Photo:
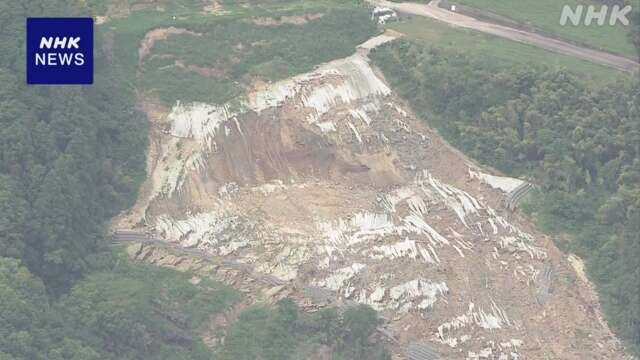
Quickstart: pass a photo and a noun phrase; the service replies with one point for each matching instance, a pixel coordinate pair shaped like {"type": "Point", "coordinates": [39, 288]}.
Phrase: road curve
{"type": "Point", "coordinates": [433, 10]}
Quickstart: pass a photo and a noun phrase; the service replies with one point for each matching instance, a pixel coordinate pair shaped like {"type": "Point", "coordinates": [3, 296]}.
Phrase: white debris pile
{"type": "Point", "coordinates": [505, 184]}
{"type": "Point", "coordinates": [520, 244]}
{"type": "Point", "coordinates": [402, 231]}
{"type": "Point", "coordinates": [341, 279]}
{"type": "Point", "coordinates": [341, 235]}
{"type": "Point", "coordinates": [457, 200]}
{"type": "Point", "coordinates": [199, 121]}
{"type": "Point", "coordinates": [361, 114]}
{"type": "Point", "coordinates": [271, 187]}
{"type": "Point", "coordinates": [213, 231]}
{"type": "Point", "coordinates": [503, 351]}
{"type": "Point", "coordinates": [453, 332]}
{"type": "Point", "coordinates": [337, 83]}
{"type": "Point", "coordinates": [356, 81]}
{"type": "Point", "coordinates": [464, 206]}
{"type": "Point", "coordinates": [416, 294]}
{"type": "Point", "coordinates": [406, 248]}
{"type": "Point", "coordinates": [390, 200]}
{"type": "Point", "coordinates": [383, 14]}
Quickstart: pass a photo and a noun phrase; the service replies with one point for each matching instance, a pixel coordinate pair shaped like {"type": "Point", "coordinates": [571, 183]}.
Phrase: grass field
{"type": "Point", "coordinates": [496, 51]}
{"type": "Point", "coordinates": [544, 15]}
{"type": "Point", "coordinates": [229, 43]}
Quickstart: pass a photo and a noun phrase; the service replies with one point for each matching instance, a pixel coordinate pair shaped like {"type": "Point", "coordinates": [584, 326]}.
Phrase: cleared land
{"type": "Point", "coordinates": [544, 15]}
{"type": "Point", "coordinates": [497, 51]}
{"type": "Point", "coordinates": [432, 10]}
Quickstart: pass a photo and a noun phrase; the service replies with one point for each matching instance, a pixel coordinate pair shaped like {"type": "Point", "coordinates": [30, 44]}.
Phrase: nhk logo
{"type": "Point", "coordinates": [60, 50]}
{"type": "Point", "coordinates": [616, 15]}
{"type": "Point", "coordinates": [57, 58]}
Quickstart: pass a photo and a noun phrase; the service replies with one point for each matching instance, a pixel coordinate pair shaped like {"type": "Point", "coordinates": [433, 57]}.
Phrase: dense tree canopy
{"type": "Point", "coordinates": [282, 332]}
{"type": "Point", "coordinates": [69, 157]}
{"type": "Point", "coordinates": [132, 312]}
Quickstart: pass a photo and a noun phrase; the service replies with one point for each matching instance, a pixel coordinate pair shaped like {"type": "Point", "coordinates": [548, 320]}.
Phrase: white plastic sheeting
{"type": "Point", "coordinates": [506, 184]}
{"type": "Point", "coordinates": [341, 277]}
{"type": "Point", "coordinates": [339, 82]}
{"type": "Point", "coordinates": [490, 319]}
{"type": "Point", "coordinates": [415, 294]}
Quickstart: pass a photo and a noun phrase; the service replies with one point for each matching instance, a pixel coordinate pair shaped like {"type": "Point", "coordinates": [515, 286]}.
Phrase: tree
{"type": "Point", "coordinates": [24, 311]}
{"type": "Point", "coordinates": [359, 323]}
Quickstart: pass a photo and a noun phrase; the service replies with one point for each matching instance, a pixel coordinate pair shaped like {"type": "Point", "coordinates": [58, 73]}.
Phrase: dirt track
{"type": "Point", "coordinates": [432, 10]}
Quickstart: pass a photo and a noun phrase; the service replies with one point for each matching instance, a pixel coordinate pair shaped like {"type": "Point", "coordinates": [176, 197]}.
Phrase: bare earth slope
{"type": "Point", "coordinates": [432, 10]}
{"type": "Point", "coordinates": [327, 188]}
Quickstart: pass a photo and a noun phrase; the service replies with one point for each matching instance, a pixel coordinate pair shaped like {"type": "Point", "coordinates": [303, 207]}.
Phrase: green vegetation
{"type": "Point", "coordinates": [137, 311]}
{"type": "Point", "coordinates": [232, 50]}
{"type": "Point", "coordinates": [635, 30]}
{"type": "Point", "coordinates": [282, 332]}
{"type": "Point", "coordinates": [496, 52]}
{"type": "Point", "coordinates": [128, 312]}
{"type": "Point", "coordinates": [72, 157]}
{"type": "Point", "coordinates": [544, 15]}
{"type": "Point", "coordinates": [235, 52]}
{"type": "Point", "coordinates": [579, 142]}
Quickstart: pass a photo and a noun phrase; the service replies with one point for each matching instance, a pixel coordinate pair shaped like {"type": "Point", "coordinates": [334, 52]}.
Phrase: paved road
{"type": "Point", "coordinates": [432, 10]}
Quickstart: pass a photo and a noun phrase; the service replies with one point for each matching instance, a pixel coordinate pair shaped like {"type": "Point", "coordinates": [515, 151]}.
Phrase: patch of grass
{"type": "Point", "coordinates": [544, 15]}
{"type": "Point", "coordinates": [238, 50]}
{"type": "Point", "coordinates": [496, 52]}
{"type": "Point", "coordinates": [172, 84]}
{"type": "Point", "coordinates": [232, 46]}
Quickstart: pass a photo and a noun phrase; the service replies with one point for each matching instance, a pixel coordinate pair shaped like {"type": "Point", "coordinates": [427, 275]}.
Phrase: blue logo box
{"type": "Point", "coordinates": [60, 51]}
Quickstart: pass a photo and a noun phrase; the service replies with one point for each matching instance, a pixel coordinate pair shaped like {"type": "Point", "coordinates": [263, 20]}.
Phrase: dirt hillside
{"type": "Point", "coordinates": [326, 187]}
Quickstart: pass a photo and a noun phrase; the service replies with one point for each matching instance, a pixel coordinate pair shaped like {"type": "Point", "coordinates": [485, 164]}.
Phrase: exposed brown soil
{"type": "Point", "coordinates": [293, 20]}
{"type": "Point", "coordinates": [266, 201]}
{"type": "Point", "coordinates": [156, 35]}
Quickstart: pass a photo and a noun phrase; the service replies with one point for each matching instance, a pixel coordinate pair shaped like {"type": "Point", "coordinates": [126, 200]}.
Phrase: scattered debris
{"type": "Point", "coordinates": [326, 188]}
{"type": "Point", "coordinates": [383, 14]}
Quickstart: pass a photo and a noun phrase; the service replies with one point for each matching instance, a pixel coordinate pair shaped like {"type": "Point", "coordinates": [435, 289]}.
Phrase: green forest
{"type": "Point", "coordinates": [71, 158]}
{"type": "Point", "coordinates": [283, 331]}
{"type": "Point", "coordinates": [579, 142]}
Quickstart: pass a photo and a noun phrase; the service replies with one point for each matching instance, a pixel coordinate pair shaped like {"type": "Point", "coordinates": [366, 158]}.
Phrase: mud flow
{"type": "Point", "coordinates": [325, 187]}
